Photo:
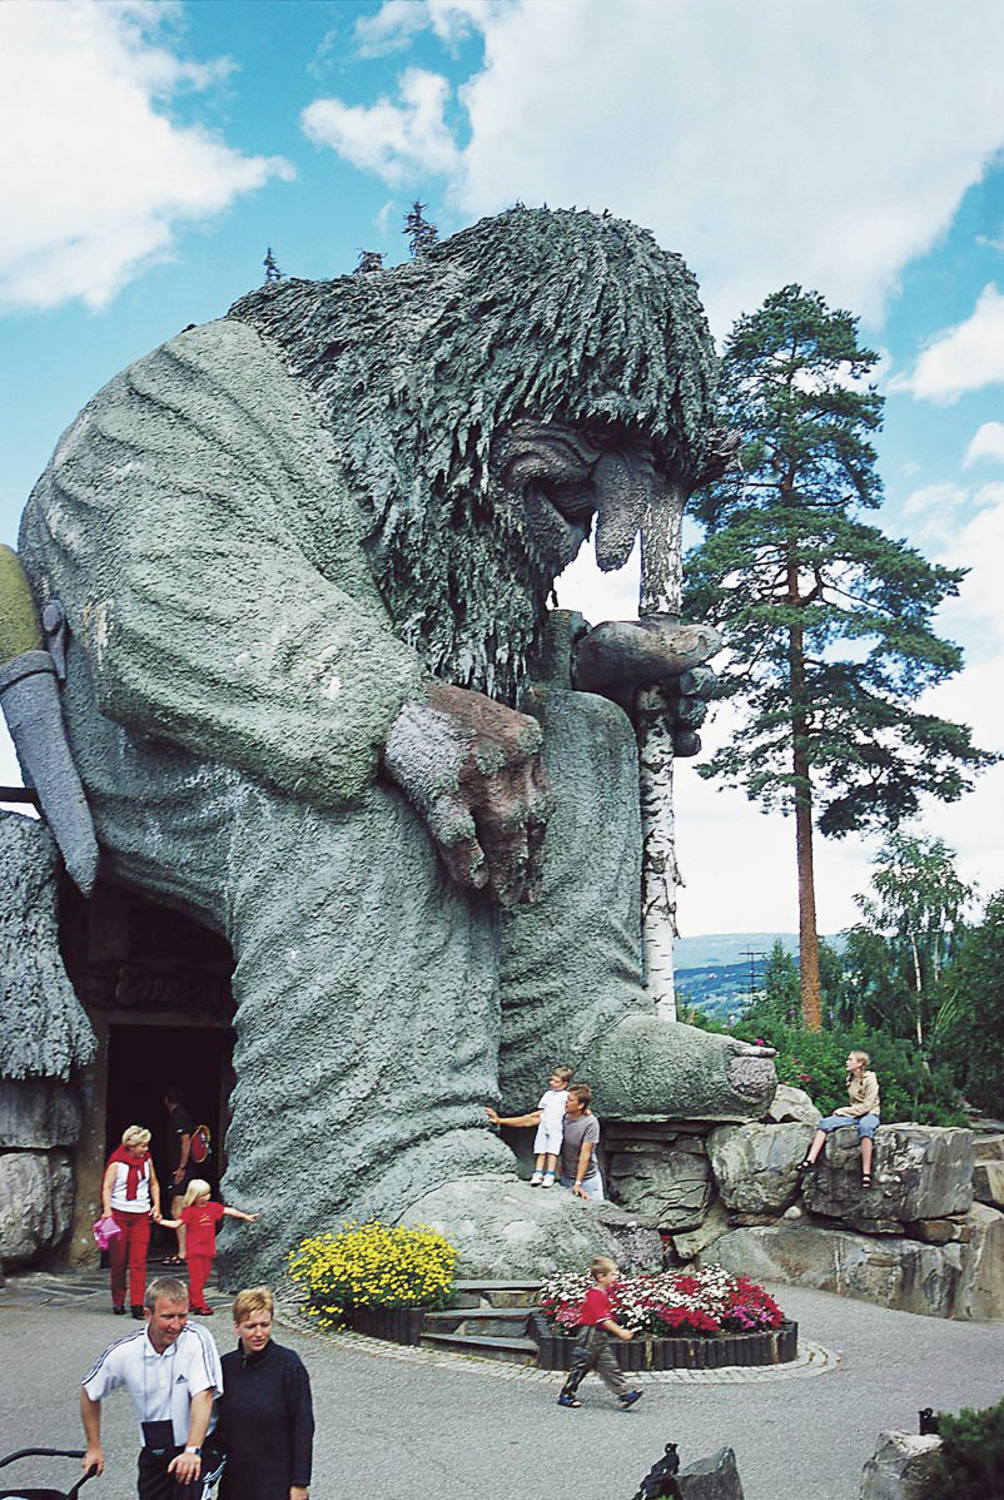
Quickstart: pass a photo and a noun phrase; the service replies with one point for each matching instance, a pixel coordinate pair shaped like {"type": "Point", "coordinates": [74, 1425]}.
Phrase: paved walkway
{"type": "Point", "coordinates": [411, 1424]}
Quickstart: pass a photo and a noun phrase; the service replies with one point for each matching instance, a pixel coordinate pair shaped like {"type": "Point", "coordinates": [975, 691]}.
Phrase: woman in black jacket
{"type": "Point", "coordinates": [265, 1414]}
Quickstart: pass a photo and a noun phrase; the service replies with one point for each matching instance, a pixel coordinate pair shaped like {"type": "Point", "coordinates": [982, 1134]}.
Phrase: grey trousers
{"type": "Point", "coordinates": [594, 1350]}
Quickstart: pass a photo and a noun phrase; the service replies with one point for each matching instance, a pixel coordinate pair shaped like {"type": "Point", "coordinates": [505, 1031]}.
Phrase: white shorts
{"type": "Point", "coordinates": [548, 1138]}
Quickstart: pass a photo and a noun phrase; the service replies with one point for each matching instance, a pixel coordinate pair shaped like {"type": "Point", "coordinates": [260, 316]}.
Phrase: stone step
{"type": "Point", "coordinates": [479, 1344]}
{"type": "Point", "coordinates": [496, 1286]}
{"type": "Point", "coordinates": [467, 1314]}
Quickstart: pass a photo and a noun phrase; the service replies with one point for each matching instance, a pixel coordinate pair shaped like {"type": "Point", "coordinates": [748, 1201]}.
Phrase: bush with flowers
{"type": "Point", "coordinates": [669, 1304]}
{"type": "Point", "coordinates": [372, 1265]}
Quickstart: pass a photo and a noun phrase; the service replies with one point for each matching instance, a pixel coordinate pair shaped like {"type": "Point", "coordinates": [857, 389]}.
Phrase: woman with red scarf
{"type": "Point", "coordinates": [130, 1194]}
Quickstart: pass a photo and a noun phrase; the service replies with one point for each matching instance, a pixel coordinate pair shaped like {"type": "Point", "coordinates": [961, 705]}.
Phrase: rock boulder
{"type": "Point", "coordinates": [714, 1478]}
{"type": "Point", "coordinates": [36, 1204]}
{"type": "Point", "coordinates": [919, 1172]}
{"type": "Point", "coordinates": [755, 1166]}
{"type": "Point", "coordinates": [37, 1113]}
{"type": "Point", "coordinates": [897, 1273]}
{"type": "Point", "coordinates": [791, 1105]}
{"type": "Point", "coordinates": [901, 1468]}
{"type": "Point", "coordinates": [981, 1289]}
{"type": "Point", "coordinates": [669, 1181]}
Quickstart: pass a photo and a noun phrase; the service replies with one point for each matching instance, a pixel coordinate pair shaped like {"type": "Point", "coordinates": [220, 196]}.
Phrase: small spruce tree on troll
{"type": "Point", "coordinates": [422, 234]}
{"type": "Point", "coordinates": [369, 261]}
{"type": "Point", "coordinates": [826, 619]}
{"type": "Point", "coordinates": [272, 272]}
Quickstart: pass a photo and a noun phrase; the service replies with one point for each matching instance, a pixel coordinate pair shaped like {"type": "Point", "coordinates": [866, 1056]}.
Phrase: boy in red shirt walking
{"type": "Point", "coordinates": [593, 1350]}
{"type": "Point", "coordinates": [200, 1218]}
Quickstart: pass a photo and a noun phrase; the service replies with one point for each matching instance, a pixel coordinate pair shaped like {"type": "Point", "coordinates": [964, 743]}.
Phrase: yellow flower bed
{"type": "Point", "coordinates": [372, 1265]}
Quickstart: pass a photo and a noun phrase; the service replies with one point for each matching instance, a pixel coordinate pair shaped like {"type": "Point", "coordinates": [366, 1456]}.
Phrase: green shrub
{"type": "Point", "coordinates": [814, 1061]}
{"type": "Point", "coordinates": [970, 1465]}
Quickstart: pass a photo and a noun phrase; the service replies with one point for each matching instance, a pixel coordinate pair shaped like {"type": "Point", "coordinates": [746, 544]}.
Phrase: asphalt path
{"type": "Point", "coordinates": [399, 1429]}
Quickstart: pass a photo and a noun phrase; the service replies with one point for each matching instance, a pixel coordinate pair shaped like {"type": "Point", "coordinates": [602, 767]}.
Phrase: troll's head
{"type": "Point", "coordinates": [491, 398]}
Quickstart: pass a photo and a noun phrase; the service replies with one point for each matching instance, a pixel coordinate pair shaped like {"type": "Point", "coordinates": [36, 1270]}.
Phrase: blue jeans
{"type": "Point", "coordinates": [867, 1124]}
{"type": "Point", "coordinates": [592, 1185]}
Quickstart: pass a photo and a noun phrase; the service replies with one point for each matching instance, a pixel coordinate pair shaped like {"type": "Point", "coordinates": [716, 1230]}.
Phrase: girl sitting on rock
{"type": "Point", "coordinates": [863, 1109]}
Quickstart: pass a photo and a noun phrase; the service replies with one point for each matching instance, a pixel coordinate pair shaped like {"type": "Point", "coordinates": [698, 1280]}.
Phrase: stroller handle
{"type": "Point", "coordinates": [41, 1453]}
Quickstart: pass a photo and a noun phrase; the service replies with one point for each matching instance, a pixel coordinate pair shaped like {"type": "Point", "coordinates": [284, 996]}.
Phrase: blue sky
{"type": "Point", "coordinates": [152, 151]}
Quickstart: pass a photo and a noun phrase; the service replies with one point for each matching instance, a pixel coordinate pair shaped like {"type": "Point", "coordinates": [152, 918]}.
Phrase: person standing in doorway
{"type": "Point", "coordinates": [179, 1163]}
{"type": "Point", "coordinates": [130, 1194]}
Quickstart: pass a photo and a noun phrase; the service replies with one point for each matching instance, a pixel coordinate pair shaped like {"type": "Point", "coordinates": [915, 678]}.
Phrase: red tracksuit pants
{"type": "Point", "coordinates": [129, 1247]}
{"type": "Point", "coordinates": [199, 1267]}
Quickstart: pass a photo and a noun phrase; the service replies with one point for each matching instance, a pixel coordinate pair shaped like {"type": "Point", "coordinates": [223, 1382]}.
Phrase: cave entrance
{"type": "Point", "coordinates": [144, 1061]}
{"type": "Point", "coordinates": [156, 987]}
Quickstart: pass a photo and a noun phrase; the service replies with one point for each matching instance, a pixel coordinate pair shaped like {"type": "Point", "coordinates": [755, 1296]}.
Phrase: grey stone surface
{"type": "Point", "coordinates": [791, 1104]}
{"type": "Point", "coordinates": [44, 1032]}
{"type": "Point", "coordinates": [713, 1478]}
{"type": "Point", "coordinates": [671, 1182]}
{"type": "Point", "coordinates": [981, 1289]}
{"type": "Point", "coordinates": [755, 1166]}
{"type": "Point", "coordinates": [901, 1468]}
{"type": "Point", "coordinates": [38, 1113]}
{"type": "Point", "coordinates": [267, 534]}
{"type": "Point", "coordinates": [919, 1172]}
{"type": "Point", "coordinates": [714, 1224]}
{"type": "Point", "coordinates": [896, 1273]}
{"type": "Point", "coordinates": [988, 1183]}
{"type": "Point", "coordinates": [501, 1226]}
{"type": "Point", "coordinates": [988, 1148]}
{"type": "Point", "coordinates": [36, 1203]}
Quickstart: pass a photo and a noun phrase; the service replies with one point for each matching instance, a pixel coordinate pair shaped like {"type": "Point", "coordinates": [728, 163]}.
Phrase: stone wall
{"type": "Point", "coordinates": [39, 1122]}
{"type": "Point", "coordinates": [926, 1237]}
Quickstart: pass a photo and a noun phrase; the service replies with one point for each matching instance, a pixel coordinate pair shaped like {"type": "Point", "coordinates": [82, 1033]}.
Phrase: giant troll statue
{"type": "Point", "coordinates": [305, 554]}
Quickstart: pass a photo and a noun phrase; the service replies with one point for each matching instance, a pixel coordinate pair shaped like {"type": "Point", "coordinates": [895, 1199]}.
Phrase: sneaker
{"type": "Point", "coordinates": [567, 1399]}
{"type": "Point", "coordinates": [547, 1180]}
{"type": "Point", "coordinates": [536, 1179]}
{"type": "Point", "coordinates": [629, 1398]}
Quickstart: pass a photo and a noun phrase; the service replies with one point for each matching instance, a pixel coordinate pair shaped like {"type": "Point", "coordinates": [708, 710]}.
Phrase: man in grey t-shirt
{"type": "Point", "coordinates": [578, 1145]}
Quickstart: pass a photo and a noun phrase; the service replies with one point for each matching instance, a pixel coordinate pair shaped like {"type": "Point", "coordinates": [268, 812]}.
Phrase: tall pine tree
{"type": "Point", "coordinates": [827, 620]}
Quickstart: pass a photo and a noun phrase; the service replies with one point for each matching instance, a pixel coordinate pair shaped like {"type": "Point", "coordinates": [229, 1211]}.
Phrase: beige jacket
{"type": "Point", "coordinates": [863, 1093]}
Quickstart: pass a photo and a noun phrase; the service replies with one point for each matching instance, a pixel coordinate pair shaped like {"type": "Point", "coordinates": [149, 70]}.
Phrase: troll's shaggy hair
{"type": "Point", "coordinates": [548, 314]}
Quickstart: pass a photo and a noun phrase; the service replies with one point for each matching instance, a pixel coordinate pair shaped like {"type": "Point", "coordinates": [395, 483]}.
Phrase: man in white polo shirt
{"type": "Point", "coordinates": [171, 1369]}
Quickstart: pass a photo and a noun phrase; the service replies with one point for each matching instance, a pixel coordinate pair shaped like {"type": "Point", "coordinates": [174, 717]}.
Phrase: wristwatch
{"type": "Point", "coordinates": [196, 1451]}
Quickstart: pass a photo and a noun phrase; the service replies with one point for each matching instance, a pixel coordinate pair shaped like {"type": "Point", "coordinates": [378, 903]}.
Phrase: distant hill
{"type": "Point", "coordinates": [718, 972]}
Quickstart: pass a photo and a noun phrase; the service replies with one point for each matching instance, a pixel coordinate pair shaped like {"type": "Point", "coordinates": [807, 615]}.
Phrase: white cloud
{"type": "Point", "coordinates": [398, 22]}
{"type": "Point", "coordinates": [936, 498]}
{"type": "Point", "coordinates": [988, 442]}
{"type": "Point", "coordinates": [95, 178]}
{"type": "Point", "coordinates": [769, 143]}
{"type": "Point", "coordinates": [395, 141]}
{"type": "Point", "coordinates": [964, 358]}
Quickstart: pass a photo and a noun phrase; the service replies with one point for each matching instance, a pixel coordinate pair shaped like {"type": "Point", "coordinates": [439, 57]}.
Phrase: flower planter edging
{"type": "Point", "coordinates": [775, 1347]}
{"type": "Point", "coordinates": [398, 1325]}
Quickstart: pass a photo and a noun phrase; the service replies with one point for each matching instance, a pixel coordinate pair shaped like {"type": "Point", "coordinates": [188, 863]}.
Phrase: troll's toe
{"type": "Point", "coordinates": [647, 1068]}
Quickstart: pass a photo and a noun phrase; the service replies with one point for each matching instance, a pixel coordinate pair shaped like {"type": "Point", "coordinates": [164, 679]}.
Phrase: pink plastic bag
{"type": "Point", "coordinates": [105, 1230]}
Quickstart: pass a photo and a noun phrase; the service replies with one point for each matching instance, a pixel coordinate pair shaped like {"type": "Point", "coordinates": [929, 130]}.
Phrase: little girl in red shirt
{"type": "Point", "coordinates": [200, 1217]}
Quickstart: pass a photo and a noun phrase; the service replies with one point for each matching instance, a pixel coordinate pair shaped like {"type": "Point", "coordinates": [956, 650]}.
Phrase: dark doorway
{"type": "Point", "coordinates": [143, 1063]}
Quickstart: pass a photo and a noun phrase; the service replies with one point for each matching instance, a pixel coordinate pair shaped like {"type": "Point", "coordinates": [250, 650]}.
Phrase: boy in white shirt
{"type": "Point", "coordinates": [549, 1118]}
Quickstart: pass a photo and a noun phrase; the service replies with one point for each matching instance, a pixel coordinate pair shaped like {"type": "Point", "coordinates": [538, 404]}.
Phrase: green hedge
{"type": "Point", "coordinates": [970, 1465]}
{"type": "Point", "coordinates": [814, 1061]}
